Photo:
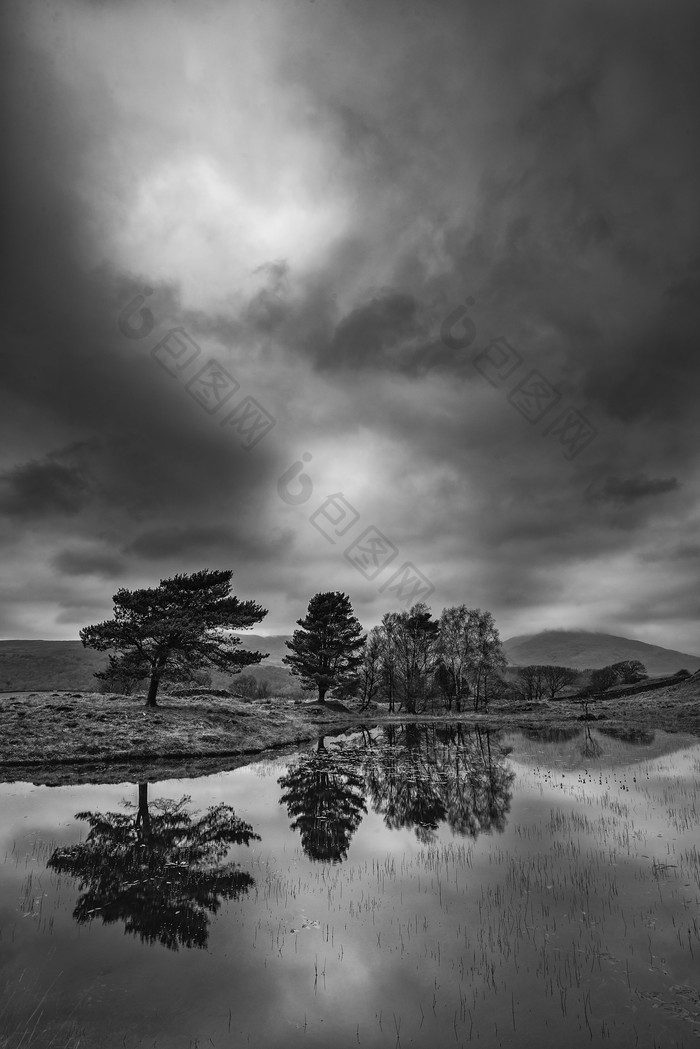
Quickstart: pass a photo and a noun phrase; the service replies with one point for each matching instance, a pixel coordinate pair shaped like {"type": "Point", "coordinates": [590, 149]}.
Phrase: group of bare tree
{"type": "Point", "coordinates": [537, 681]}
{"type": "Point", "coordinates": [543, 681]}
{"type": "Point", "coordinates": [414, 662]}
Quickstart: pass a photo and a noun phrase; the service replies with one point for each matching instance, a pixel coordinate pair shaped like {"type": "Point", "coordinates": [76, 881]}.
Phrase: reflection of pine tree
{"type": "Point", "coordinates": [324, 793]}
{"type": "Point", "coordinates": [160, 872]}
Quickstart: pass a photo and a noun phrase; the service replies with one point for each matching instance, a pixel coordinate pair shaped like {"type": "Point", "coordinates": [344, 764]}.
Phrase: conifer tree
{"type": "Point", "coordinates": [326, 651]}
{"type": "Point", "coordinates": [184, 624]}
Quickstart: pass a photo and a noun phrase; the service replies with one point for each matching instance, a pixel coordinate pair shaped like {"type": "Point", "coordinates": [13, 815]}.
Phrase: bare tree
{"type": "Point", "coordinates": [414, 634]}
{"type": "Point", "coordinates": [388, 672]}
{"type": "Point", "coordinates": [454, 655]}
{"type": "Point", "coordinates": [558, 678]}
{"type": "Point", "coordinates": [531, 682]}
{"type": "Point", "coordinates": [370, 672]}
{"type": "Point", "coordinates": [487, 660]}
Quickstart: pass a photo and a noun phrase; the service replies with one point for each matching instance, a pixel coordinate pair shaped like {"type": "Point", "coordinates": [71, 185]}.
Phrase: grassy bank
{"type": "Point", "coordinates": [43, 729]}
{"type": "Point", "coordinates": [56, 737]}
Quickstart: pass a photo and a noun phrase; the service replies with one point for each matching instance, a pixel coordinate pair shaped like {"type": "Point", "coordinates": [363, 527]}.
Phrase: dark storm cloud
{"type": "Point", "coordinates": [164, 543]}
{"type": "Point", "coordinates": [394, 332]}
{"type": "Point", "coordinates": [574, 234]}
{"type": "Point", "coordinates": [173, 470]}
{"type": "Point", "coordinates": [687, 287]}
{"type": "Point", "coordinates": [370, 332]}
{"type": "Point", "coordinates": [66, 361]}
{"type": "Point", "coordinates": [627, 490]}
{"type": "Point", "coordinates": [89, 562]}
{"type": "Point", "coordinates": [168, 542]}
{"type": "Point", "coordinates": [687, 553]}
{"type": "Point", "coordinates": [64, 353]}
{"type": "Point", "coordinates": [42, 489]}
{"type": "Point", "coordinates": [676, 602]}
{"type": "Point", "coordinates": [539, 158]}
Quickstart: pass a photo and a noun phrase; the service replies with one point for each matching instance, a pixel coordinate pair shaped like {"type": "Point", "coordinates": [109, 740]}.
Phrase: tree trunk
{"type": "Point", "coordinates": [143, 817]}
{"type": "Point", "coordinates": [153, 689]}
{"type": "Point", "coordinates": [322, 689]}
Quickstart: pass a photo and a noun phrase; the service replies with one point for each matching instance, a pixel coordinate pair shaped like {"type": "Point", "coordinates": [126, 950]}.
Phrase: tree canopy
{"type": "Point", "coordinates": [182, 625]}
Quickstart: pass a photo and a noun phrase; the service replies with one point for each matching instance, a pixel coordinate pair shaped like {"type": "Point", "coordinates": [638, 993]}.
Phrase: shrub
{"type": "Point", "coordinates": [247, 686]}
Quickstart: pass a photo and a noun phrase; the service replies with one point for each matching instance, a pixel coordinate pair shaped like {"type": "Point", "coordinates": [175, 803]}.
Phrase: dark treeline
{"type": "Point", "coordinates": [181, 630]}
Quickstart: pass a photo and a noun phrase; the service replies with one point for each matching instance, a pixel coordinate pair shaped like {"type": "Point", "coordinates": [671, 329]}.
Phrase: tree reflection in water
{"type": "Point", "coordinates": [159, 872]}
{"type": "Point", "coordinates": [590, 747]}
{"type": "Point", "coordinates": [324, 793]}
{"type": "Point", "coordinates": [403, 781]}
{"type": "Point", "coordinates": [420, 777]}
{"type": "Point", "coordinates": [552, 733]}
{"type": "Point", "coordinates": [414, 776]}
{"type": "Point", "coordinates": [639, 737]}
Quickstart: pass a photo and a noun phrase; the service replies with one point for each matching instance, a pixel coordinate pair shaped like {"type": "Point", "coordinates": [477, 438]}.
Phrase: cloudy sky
{"type": "Point", "coordinates": [397, 298]}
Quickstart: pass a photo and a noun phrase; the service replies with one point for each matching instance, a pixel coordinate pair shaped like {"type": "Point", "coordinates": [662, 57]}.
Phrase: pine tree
{"type": "Point", "coordinates": [326, 651]}
{"type": "Point", "coordinates": [181, 625]}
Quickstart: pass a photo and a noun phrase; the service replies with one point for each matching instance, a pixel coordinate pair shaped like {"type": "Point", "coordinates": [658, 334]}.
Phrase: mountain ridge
{"type": "Point", "coordinates": [590, 649]}
{"type": "Point", "coordinates": [27, 666]}
{"type": "Point", "coordinates": [44, 665]}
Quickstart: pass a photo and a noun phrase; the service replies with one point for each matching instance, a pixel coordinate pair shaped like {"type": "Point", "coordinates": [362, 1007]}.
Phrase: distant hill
{"type": "Point", "coordinates": [27, 666]}
{"type": "Point", "coordinates": [584, 650]}
{"type": "Point", "coordinates": [274, 644]}
{"type": "Point", "coordinates": [37, 665]}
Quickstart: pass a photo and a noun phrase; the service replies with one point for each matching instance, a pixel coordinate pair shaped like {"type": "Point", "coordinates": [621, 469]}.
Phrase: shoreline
{"type": "Point", "coordinates": [51, 737]}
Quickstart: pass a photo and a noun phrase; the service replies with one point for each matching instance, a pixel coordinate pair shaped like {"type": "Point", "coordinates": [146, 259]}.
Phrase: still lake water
{"type": "Point", "coordinates": [392, 887]}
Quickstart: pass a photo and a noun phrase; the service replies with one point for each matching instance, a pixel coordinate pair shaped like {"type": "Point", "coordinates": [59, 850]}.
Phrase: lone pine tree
{"type": "Point", "coordinates": [182, 625]}
{"type": "Point", "coordinates": [326, 651]}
